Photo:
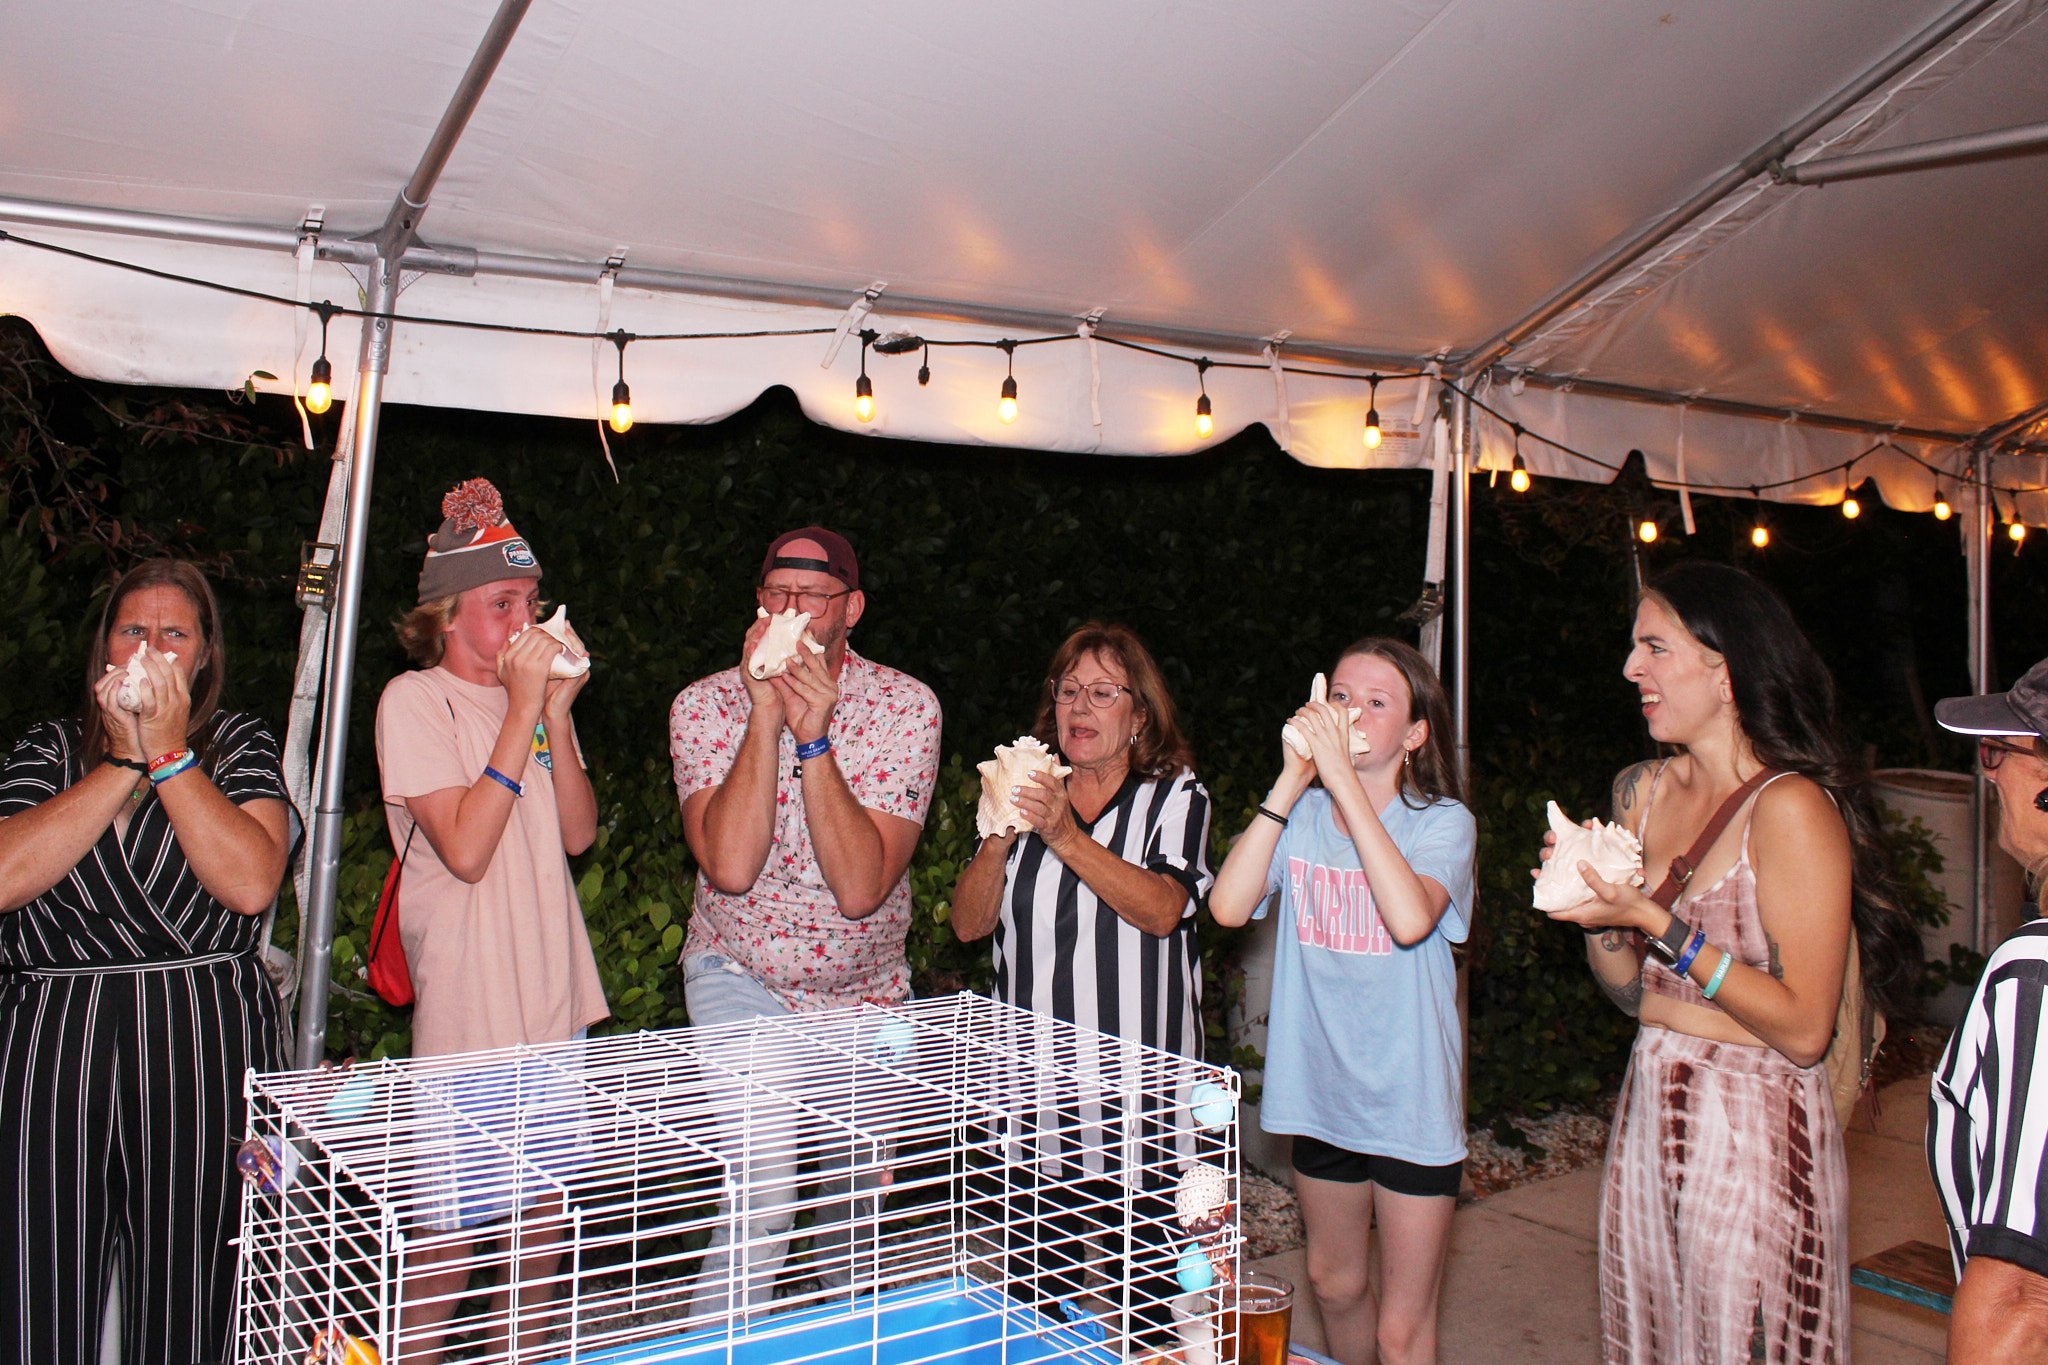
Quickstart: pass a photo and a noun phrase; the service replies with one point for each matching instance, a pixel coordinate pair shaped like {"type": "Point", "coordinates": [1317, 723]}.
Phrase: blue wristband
{"type": "Point", "coordinates": [817, 748]}
{"type": "Point", "coordinates": [1720, 974]}
{"type": "Point", "coordinates": [159, 776]}
{"type": "Point", "coordinates": [507, 783]}
{"type": "Point", "coordinates": [1692, 950]}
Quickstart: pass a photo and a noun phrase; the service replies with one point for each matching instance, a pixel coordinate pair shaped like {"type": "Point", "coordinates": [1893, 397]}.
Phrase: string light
{"type": "Point", "coordinates": [320, 387]}
{"type": "Point", "coordinates": [2016, 531]}
{"type": "Point", "coordinates": [924, 366]}
{"type": "Point", "coordinates": [1372, 416]}
{"type": "Point", "coordinates": [1006, 406]}
{"type": "Point", "coordinates": [864, 387]}
{"type": "Point", "coordinates": [1646, 531]}
{"type": "Point", "coordinates": [1205, 423]}
{"type": "Point", "coordinates": [1518, 474]}
{"type": "Point", "coordinates": [1942, 510]}
{"type": "Point", "coordinates": [622, 397]}
{"type": "Point", "coordinates": [1851, 508]}
{"type": "Point", "coordinates": [1759, 534]}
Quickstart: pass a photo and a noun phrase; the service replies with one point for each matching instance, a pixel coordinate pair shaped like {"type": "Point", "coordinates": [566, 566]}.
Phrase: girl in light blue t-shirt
{"type": "Point", "coordinates": [1365, 1060]}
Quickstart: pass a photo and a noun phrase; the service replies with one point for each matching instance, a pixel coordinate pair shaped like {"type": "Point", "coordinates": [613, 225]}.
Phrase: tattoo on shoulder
{"type": "Point", "coordinates": [1625, 786]}
{"type": "Point", "coordinates": [1777, 967]}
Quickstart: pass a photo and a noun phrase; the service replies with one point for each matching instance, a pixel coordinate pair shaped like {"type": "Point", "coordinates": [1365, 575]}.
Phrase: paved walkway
{"type": "Point", "coordinates": [1523, 1281]}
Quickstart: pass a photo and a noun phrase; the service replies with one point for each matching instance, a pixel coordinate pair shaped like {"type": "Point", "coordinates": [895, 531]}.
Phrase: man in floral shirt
{"type": "Point", "coordinates": [803, 796]}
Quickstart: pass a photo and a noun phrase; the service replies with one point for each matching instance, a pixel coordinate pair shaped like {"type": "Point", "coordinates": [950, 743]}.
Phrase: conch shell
{"type": "Point", "coordinates": [778, 642]}
{"type": "Point", "coordinates": [1614, 854]}
{"type": "Point", "coordinates": [1012, 767]}
{"type": "Point", "coordinates": [129, 695]}
{"type": "Point", "coordinates": [574, 660]}
{"type": "Point", "coordinates": [1319, 690]}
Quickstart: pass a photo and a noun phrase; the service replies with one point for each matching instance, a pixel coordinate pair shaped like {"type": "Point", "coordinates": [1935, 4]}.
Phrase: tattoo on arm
{"type": "Point", "coordinates": [1777, 967]}
{"type": "Point", "coordinates": [1613, 940]}
{"type": "Point", "coordinates": [1628, 999]}
{"type": "Point", "coordinates": [1625, 787]}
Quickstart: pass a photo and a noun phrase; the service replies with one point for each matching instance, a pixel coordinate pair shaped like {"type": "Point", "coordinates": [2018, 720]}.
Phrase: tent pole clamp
{"type": "Point", "coordinates": [319, 564]}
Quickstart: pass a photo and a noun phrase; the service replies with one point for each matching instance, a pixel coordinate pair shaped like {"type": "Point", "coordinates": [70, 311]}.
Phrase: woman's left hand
{"type": "Point", "coordinates": [1044, 802]}
{"type": "Point", "coordinates": [165, 715]}
{"type": "Point", "coordinates": [1327, 727]}
{"type": "Point", "coordinates": [1613, 905]}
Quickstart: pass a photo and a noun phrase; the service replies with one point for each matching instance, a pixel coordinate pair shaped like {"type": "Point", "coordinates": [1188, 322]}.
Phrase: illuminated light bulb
{"type": "Point", "coordinates": [1372, 416]}
{"type": "Point", "coordinates": [1204, 422]}
{"type": "Point", "coordinates": [1851, 508]}
{"type": "Point", "coordinates": [622, 408]}
{"type": "Point", "coordinates": [864, 399]}
{"type": "Point", "coordinates": [1006, 407]}
{"type": "Point", "coordinates": [1646, 531]}
{"type": "Point", "coordinates": [2016, 531]}
{"type": "Point", "coordinates": [1760, 535]}
{"type": "Point", "coordinates": [1518, 478]}
{"type": "Point", "coordinates": [320, 391]}
{"type": "Point", "coordinates": [1942, 511]}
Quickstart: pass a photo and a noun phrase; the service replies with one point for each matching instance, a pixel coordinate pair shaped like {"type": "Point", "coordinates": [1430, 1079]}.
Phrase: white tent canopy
{"type": "Point", "coordinates": [1588, 215]}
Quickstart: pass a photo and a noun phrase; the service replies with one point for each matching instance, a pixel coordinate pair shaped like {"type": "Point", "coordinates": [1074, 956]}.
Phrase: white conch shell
{"type": "Point", "coordinates": [574, 660]}
{"type": "Point", "coordinates": [1614, 854]}
{"type": "Point", "coordinates": [1319, 690]}
{"type": "Point", "coordinates": [1012, 767]}
{"type": "Point", "coordinates": [129, 696]}
{"type": "Point", "coordinates": [778, 642]}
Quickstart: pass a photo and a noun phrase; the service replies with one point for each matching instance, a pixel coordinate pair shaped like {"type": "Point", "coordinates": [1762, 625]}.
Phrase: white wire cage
{"type": "Point", "coordinates": [966, 1182]}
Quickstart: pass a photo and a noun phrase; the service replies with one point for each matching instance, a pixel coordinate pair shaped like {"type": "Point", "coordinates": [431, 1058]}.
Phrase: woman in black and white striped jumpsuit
{"type": "Point", "coordinates": [138, 849]}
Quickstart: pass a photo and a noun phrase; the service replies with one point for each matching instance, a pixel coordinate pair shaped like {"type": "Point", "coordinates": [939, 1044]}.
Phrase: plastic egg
{"type": "Point", "coordinates": [353, 1098]}
{"type": "Point", "coordinates": [1194, 1273]}
{"type": "Point", "coordinates": [1211, 1105]}
{"type": "Point", "coordinates": [894, 1038]}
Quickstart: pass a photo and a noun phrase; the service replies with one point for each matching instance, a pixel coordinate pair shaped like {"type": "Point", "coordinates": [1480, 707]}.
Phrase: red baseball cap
{"type": "Point", "coordinates": [816, 549]}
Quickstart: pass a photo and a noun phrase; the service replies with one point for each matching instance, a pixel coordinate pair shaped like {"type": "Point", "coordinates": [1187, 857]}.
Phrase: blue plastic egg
{"type": "Point", "coordinates": [353, 1098]}
{"type": "Point", "coordinates": [1194, 1273]}
{"type": "Point", "coordinates": [1211, 1105]}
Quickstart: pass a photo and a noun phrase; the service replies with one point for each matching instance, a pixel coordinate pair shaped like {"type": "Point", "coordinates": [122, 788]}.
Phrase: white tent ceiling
{"type": "Point", "coordinates": [1386, 182]}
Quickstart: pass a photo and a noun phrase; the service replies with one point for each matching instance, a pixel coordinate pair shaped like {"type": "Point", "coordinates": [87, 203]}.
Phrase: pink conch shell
{"type": "Point", "coordinates": [129, 696]}
{"type": "Point", "coordinates": [778, 642]}
{"type": "Point", "coordinates": [1010, 769]}
{"type": "Point", "coordinates": [574, 660]}
{"type": "Point", "coordinates": [1614, 854]}
{"type": "Point", "coordinates": [1319, 690]}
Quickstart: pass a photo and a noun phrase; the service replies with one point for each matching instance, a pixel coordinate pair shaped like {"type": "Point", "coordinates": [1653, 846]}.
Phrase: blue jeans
{"type": "Point", "coordinates": [762, 1146]}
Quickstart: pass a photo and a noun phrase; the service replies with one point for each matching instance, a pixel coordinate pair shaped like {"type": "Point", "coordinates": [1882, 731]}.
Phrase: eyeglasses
{"type": "Point", "coordinates": [1101, 696]}
{"type": "Point", "coordinates": [1992, 752]}
{"type": "Point", "coordinates": [781, 599]}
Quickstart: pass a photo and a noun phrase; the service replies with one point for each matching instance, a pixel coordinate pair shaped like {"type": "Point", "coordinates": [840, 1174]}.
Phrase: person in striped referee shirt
{"type": "Point", "coordinates": [1987, 1129]}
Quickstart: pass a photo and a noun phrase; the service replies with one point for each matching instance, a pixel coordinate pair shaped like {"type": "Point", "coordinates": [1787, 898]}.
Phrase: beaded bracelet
{"type": "Point", "coordinates": [180, 760]}
{"type": "Point", "coordinates": [1692, 950]}
{"type": "Point", "coordinates": [1720, 974]}
{"type": "Point", "coordinates": [507, 783]}
{"type": "Point", "coordinates": [817, 748]}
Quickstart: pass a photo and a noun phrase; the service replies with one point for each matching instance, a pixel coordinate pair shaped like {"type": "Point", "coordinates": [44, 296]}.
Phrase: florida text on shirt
{"type": "Point", "coordinates": [1334, 909]}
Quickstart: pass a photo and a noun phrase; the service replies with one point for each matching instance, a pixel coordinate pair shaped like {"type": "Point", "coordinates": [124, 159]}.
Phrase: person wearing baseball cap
{"type": "Point", "coordinates": [804, 773]}
{"type": "Point", "coordinates": [486, 799]}
{"type": "Point", "coordinates": [1985, 1136]}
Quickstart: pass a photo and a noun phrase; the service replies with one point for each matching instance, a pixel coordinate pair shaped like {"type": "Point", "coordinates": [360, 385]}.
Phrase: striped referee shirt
{"type": "Point", "coordinates": [1061, 951]}
{"type": "Point", "coordinates": [1985, 1136]}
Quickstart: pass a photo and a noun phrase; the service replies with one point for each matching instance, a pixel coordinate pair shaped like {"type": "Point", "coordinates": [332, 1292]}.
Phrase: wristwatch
{"type": "Point", "coordinates": [1671, 942]}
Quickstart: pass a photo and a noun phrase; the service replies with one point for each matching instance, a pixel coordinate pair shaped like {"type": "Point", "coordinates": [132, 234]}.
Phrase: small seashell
{"type": "Point", "coordinates": [336, 1347]}
{"type": "Point", "coordinates": [1615, 855]}
{"type": "Point", "coordinates": [779, 642]}
{"type": "Point", "coordinates": [129, 695]}
{"type": "Point", "coordinates": [1319, 690]}
{"type": "Point", "coordinates": [574, 660]}
{"type": "Point", "coordinates": [1006, 775]}
{"type": "Point", "coordinates": [267, 1164]}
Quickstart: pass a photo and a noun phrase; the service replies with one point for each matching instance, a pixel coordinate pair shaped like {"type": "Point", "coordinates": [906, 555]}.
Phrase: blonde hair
{"type": "Point", "coordinates": [422, 631]}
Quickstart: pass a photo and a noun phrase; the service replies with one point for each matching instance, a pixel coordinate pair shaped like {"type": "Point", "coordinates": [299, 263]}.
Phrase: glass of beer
{"type": "Point", "coordinates": [1265, 1311]}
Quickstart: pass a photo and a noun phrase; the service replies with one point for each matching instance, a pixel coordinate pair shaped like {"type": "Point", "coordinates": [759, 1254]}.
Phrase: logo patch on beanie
{"type": "Point", "coordinates": [517, 555]}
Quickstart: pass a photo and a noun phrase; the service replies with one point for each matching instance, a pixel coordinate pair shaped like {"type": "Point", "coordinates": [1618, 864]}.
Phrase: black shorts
{"type": "Point", "coordinates": [1319, 1160]}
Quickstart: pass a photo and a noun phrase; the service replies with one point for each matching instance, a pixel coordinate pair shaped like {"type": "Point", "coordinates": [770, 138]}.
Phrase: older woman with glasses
{"type": "Point", "coordinates": [1093, 907]}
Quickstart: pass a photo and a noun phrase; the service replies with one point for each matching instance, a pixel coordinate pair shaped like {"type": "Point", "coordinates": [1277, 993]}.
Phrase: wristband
{"type": "Point", "coordinates": [507, 783]}
{"type": "Point", "coordinates": [1673, 940]}
{"type": "Point", "coordinates": [1274, 816]}
{"type": "Point", "coordinates": [159, 775]}
{"type": "Point", "coordinates": [163, 760]}
{"type": "Point", "coordinates": [817, 748]}
{"type": "Point", "coordinates": [133, 765]}
{"type": "Point", "coordinates": [1692, 950]}
{"type": "Point", "coordinates": [1720, 974]}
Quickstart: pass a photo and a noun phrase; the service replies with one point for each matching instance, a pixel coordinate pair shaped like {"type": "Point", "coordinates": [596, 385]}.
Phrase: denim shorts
{"type": "Point", "coordinates": [498, 1137]}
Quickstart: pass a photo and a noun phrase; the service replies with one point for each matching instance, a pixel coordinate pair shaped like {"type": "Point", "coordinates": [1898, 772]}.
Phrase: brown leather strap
{"type": "Point", "coordinates": [1688, 862]}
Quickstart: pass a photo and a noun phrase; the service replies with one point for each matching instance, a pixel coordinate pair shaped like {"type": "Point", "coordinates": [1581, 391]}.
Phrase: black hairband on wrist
{"type": "Point", "coordinates": [132, 764]}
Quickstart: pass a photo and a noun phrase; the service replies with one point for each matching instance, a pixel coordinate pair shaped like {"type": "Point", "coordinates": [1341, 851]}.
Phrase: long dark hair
{"type": "Point", "coordinates": [1430, 772]}
{"type": "Point", "coordinates": [1159, 748]}
{"type": "Point", "coordinates": [209, 680]}
{"type": "Point", "coordinates": [1785, 701]}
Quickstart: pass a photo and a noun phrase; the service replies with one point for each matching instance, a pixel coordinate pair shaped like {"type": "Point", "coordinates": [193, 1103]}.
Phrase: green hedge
{"type": "Point", "coordinates": [1245, 571]}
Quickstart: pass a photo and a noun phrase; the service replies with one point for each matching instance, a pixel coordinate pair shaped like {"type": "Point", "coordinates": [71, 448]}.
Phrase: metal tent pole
{"type": "Point", "coordinates": [1947, 151]}
{"type": "Point", "coordinates": [1983, 677]}
{"type": "Point", "coordinates": [1461, 581]}
{"type": "Point", "coordinates": [400, 226]}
